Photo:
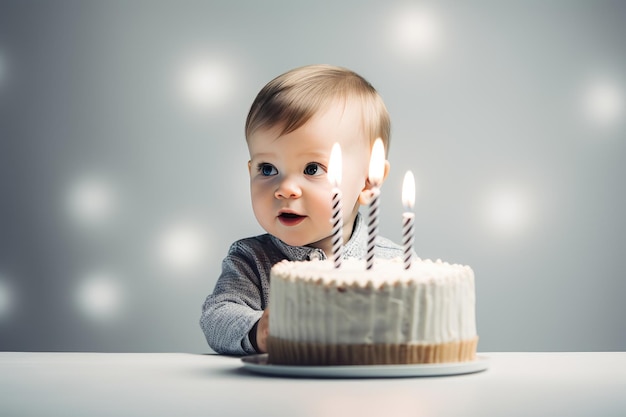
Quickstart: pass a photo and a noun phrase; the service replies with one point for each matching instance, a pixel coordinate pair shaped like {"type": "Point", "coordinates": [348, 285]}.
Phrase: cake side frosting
{"type": "Point", "coordinates": [431, 303]}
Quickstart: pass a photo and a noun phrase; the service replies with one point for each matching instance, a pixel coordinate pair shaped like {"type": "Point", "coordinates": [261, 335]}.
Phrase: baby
{"type": "Point", "coordinates": [290, 130]}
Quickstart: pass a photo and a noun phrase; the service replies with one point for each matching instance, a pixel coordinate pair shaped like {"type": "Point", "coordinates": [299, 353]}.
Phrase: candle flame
{"type": "Point", "coordinates": [334, 165]}
{"type": "Point", "coordinates": [408, 190]}
{"type": "Point", "coordinates": [377, 163]}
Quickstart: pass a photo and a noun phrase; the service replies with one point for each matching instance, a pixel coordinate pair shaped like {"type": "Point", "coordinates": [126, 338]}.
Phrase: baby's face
{"type": "Point", "coordinates": [291, 194]}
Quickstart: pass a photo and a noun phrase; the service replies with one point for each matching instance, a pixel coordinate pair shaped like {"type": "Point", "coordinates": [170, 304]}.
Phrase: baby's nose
{"type": "Point", "coordinates": [288, 188]}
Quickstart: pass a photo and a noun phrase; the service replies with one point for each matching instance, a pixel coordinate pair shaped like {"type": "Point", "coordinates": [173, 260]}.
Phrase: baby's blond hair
{"type": "Point", "coordinates": [291, 99]}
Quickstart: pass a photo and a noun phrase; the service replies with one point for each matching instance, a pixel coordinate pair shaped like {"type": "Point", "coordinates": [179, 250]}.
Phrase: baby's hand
{"type": "Point", "coordinates": [262, 331]}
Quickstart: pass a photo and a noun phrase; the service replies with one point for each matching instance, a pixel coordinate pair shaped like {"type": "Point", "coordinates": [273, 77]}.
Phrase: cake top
{"type": "Point", "coordinates": [353, 271]}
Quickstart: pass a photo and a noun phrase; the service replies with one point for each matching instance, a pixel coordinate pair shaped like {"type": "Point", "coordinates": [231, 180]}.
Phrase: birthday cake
{"type": "Point", "coordinates": [322, 315]}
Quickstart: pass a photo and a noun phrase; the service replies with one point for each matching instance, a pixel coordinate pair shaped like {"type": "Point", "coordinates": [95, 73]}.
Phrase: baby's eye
{"type": "Point", "coordinates": [313, 169]}
{"type": "Point", "coordinates": [267, 169]}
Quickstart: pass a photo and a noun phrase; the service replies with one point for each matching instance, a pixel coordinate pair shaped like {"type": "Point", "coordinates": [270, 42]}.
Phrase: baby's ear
{"type": "Point", "coordinates": [365, 196]}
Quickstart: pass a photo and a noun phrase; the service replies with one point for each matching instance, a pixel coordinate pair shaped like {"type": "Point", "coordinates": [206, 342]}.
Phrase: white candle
{"type": "Point", "coordinates": [334, 176]}
{"type": "Point", "coordinates": [376, 174]}
{"type": "Point", "coordinates": [408, 218]}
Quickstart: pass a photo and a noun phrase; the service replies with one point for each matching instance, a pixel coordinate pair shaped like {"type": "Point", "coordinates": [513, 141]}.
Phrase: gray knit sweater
{"type": "Point", "coordinates": [242, 290]}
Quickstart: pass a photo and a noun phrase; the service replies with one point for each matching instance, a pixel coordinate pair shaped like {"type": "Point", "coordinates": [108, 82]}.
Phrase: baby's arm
{"type": "Point", "coordinates": [236, 304]}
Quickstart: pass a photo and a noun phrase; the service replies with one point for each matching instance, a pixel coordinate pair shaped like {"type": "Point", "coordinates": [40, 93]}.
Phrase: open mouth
{"type": "Point", "coordinates": [290, 219]}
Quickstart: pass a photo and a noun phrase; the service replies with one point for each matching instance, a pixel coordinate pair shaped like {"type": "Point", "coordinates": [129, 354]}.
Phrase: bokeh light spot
{"type": "Point", "coordinates": [603, 103]}
{"type": "Point", "coordinates": [182, 246]}
{"type": "Point", "coordinates": [6, 298]}
{"type": "Point", "coordinates": [416, 31]}
{"type": "Point", "coordinates": [99, 296]}
{"type": "Point", "coordinates": [206, 83]}
{"type": "Point", "coordinates": [91, 200]}
{"type": "Point", "coordinates": [507, 210]}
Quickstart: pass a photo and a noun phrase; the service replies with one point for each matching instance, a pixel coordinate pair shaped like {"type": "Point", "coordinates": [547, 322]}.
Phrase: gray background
{"type": "Point", "coordinates": [123, 174]}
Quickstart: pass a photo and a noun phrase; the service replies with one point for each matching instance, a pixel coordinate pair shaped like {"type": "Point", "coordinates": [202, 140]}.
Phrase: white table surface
{"type": "Point", "coordinates": [180, 384]}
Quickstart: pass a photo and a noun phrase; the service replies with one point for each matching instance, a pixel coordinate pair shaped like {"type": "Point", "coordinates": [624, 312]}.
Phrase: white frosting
{"type": "Point", "coordinates": [432, 302]}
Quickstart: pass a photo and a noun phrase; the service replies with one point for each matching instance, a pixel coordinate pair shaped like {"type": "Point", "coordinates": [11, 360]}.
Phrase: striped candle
{"type": "Point", "coordinates": [334, 176]}
{"type": "Point", "coordinates": [376, 175]}
{"type": "Point", "coordinates": [408, 218]}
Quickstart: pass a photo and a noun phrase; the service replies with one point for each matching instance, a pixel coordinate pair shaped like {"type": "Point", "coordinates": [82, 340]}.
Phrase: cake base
{"type": "Point", "coordinates": [285, 352]}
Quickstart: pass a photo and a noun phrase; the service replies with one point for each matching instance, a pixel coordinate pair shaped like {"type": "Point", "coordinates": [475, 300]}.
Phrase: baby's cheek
{"type": "Point", "coordinates": [261, 205]}
{"type": "Point", "coordinates": [352, 191]}
{"type": "Point", "coordinates": [262, 190]}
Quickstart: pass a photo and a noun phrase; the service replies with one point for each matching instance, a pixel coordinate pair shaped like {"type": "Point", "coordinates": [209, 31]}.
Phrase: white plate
{"type": "Point", "coordinates": [258, 364]}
